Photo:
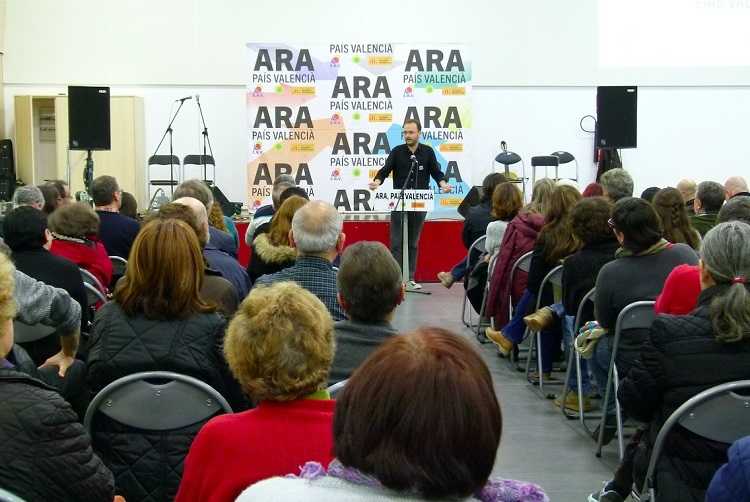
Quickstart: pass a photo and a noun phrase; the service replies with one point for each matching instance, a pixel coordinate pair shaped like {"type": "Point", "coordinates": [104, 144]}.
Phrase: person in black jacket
{"type": "Point", "coordinates": [44, 451]}
{"type": "Point", "coordinates": [272, 251]}
{"type": "Point", "coordinates": [157, 322]}
{"type": "Point", "coordinates": [475, 226]}
{"type": "Point", "coordinates": [27, 236]}
{"type": "Point", "coordinates": [682, 356]}
{"type": "Point", "coordinates": [598, 246]}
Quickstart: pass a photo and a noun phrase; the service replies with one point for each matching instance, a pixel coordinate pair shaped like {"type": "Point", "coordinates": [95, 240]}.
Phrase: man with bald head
{"type": "Point", "coordinates": [734, 186]}
{"type": "Point", "coordinates": [218, 260]}
{"type": "Point", "coordinates": [687, 189]}
{"type": "Point", "coordinates": [318, 238]}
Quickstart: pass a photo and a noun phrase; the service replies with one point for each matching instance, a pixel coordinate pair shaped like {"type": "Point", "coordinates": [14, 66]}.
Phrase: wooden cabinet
{"type": "Point", "coordinates": [41, 144]}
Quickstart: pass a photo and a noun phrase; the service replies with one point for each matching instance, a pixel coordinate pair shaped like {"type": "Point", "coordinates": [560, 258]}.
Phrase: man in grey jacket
{"type": "Point", "coordinates": [370, 288]}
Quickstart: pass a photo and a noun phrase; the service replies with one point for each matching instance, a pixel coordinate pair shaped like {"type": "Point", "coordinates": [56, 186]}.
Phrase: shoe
{"type": "Point", "coordinates": [606, 494]}
{"type": "Point", "coordinates": [534, 377]}
{"type": "Point", "coordinates": [504, 346]}
{"type": "Point", "coordinates": [446, 279]}
{"type": "Point", "coordinates": [571, 402]}
{"type": "Point", "coordinates": [540, 320]}
{"type": "Point", "coordinates": [610, 432]}
{"type": "Point", "coordinates": [413, 285]}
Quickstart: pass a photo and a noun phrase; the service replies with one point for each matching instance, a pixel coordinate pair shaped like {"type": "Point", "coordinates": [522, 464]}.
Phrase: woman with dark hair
{"type": "Point", "coordinates": [555, 242]}
{"type": "Point", "coordinates": [158, 321]}
{"type": "Point", "coordinates": [129, 206]}
{"type": "Point", "coordinates": [670, 207]}
{"type": "Point", "coordinates": [682, 356]}
{"type": "Point", "coordinates": [506, 202]}
{"type": "Point", "coordinates": [642, 264]}
{"type": "Point", "coordinates": [75, 232]}
{"type": "Point", "coordinates": [419, 420]}
{"type": "Point", "coordinates": [649, 193]}
{"type": "Point", "coordinates": [589, 224]}
{"type": "Point", "coordinates": [475, 226]}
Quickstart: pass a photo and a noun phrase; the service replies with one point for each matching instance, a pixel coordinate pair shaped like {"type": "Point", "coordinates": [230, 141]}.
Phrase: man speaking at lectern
{"type": "Point", "coordinates": [399, 162]}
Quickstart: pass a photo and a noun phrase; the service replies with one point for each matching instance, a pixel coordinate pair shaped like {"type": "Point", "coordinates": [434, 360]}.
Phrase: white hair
{"type": "Point", "coordinates": [28, 195]}
{"type": "Point", "coordinates": [316, 227]}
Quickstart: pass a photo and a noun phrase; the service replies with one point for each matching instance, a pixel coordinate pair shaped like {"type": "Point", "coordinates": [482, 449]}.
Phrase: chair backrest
{"type": "Point", "coordinates": [334, 389]}
{"type": "Point", "coordinates": [634, 316]}
{"type": "Point", "coordinates": [93, 295]}
{"type": "Point", "coordinates": [197, 160]}
{"type": "Point", "coordinates": [119, 265]}
{"type": "Point", "coordinates": [163, 160]}
{"type": "Point", "coordinates": [478, 245]}
{"type": "Point", "coordinates": [718, 414]}
{"type": "Point", "coordinates": [25, 333]}
{"type": "Point", "coordinates": [522, 263]}
{"type": "Point", "coordinates": [89, 278]}
{"type": "Point", "coordinates": [157, 401]}
{"type": "Point", "coordinates": [6, 496]}
{"type": "Point", "coordinates": [545, 160]}
{"type": "Point", "coordinates": [553, 277]}
{"type": "Point", "coordinates": [588, 297]}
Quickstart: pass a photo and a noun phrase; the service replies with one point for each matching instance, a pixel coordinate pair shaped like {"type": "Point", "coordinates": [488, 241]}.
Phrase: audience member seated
{"type": "Point", "coordinates": [217, 220]}
{"type": "Point", "coordinates": [439, 392]}
{"type": "Point", "coordinates": [682, 286]}
{"type": "Point", "coordinates": [279, 347]}
{"type": "Point", "coordinates": [649, 193]}
{"type": "Point", "coordinates": [589, 224]}
{"type": "Point", "coordinates": [706, 206]}
{"type": "Point", "coordinates": [592, 190]}
{"type": "Point", "coordinates": [197, 189]}
{"type": "Point", "coordinates": [75, 232]}
{"type": "Point", "coordinates": [27, 236]}
{"type": "Point", "coordinates": [129, 206]}
{"type": "Point", "coordinates": [289, 192]}
{"type": "Point", "coordinates": [687, 189]}
{"type": "Point", "coordinates": [215, 288]}
{"type": "Point", "coordinates": [679, 359]}
{"type": "Point", "coordinates": [28, 195]}
{"type": "Point", "coordinates": [264, 214]}
{"type": "Point", "coordinates": [116, 231]}
{"type": "Point", "coordinates": [732, 481]}
{"type": "Point", "coordinates": [272, 251]}
{"type": "Point", "coordinates": [642, 264]}
{"type": "Point", "coordinates": [554, 242]}
{"type": "Point", "coordinates": [507, 201]}
{"type": "Point", "coordinates": [157, 322]}
{"type": "Point", "coordinates": [675, 224]}
{"type": "Point", "coordinates": [370, 289]}
{"type": "Point", "coordinates": [475, 226]}
{"type": "Point", "coordinates": [219, 261]}
{"type": "Point", "coordinates": [51, 198]}
{"type": "Point", "coordinates": [616, 184]}
{"type": "Point", "coordinates": [734, 186]}
{"type": "Point", "coordinates": [63, 193]}
{"type": "Point", "coordinates": [45, 453]}
{"type": "Point", "coordinates": [519, 238]}
{"type": "Point", "coordinates": [318, 237]}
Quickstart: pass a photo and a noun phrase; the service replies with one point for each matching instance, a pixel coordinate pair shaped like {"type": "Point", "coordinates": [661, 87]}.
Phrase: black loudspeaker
{"type": "Point", "coordinates": [7, 170]}
{"type": "Point", "coordinates": [616, 116]}
{"type": "Point", "coordinates": [88, 118]}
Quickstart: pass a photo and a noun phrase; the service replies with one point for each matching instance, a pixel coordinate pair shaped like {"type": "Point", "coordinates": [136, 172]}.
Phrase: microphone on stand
{"type": "Point", "coordinates": [184, 99]}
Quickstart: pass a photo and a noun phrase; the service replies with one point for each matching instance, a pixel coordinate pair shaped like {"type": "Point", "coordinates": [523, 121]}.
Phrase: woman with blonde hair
{"type": "Point", "coordinates": [157, 322]}
{"type": "Point", "coordinates": [280, 348]}
{"type": "Point", "coordinates": [272, 251]}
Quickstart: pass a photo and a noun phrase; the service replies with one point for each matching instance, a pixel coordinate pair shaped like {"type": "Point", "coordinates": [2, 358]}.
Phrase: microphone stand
{"type": "Point", "coordinates": [171, 153]}
{"type": "Point", "coordinates": [405, 229]}
{"type": "Point", "coordinates": [206, 140]}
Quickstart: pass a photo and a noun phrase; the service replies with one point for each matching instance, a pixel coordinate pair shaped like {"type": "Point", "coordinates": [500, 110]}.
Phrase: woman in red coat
{"type": "Point", "coordinates": [519, 239]}
{"type": "Point", "coordinates": [75, 229]}
{"type": "Point", "coordinates": [279, 346]}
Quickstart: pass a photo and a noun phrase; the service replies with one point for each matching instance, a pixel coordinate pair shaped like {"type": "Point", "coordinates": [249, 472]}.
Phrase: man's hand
{"type": "Point", "coordinates": [445, 187]}
{"type": "Point", "coordinates": [374, 184]}
{"type": "Point", "coordinates": [62, 361]}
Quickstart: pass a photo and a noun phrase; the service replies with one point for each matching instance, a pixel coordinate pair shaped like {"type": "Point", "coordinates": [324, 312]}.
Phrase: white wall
{"type": "Point", "coordinates": [535, 65]}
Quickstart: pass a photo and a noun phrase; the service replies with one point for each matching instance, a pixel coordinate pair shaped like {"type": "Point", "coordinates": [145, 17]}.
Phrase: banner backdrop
{"type": "Point", "coordinates": [329, 114]}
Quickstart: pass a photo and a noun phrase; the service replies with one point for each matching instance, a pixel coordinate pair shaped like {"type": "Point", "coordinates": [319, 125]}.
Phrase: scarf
{"type": "Point", "coordinates": [654, 249]}
{"type": "Point", "coordinates": [496, 490]}
{"type": "Point", "coordinates": [587, 338]}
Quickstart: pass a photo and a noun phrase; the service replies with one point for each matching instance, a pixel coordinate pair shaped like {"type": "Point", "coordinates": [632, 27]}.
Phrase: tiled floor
{"type": "Point", "coordinates": [538, 444]}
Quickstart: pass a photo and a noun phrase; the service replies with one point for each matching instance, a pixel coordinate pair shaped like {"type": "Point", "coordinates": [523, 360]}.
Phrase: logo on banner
{"type": "Point", "coordinates": [336, 119]}
{"type": "Point", "coordinates": [258, 92]}
{"type": "Point", "coordinates": [257, 148]}
{"type": "Point", "coordinates": [409, 92]}
{"type": "Point", "coordinates": [335, 62]}
{"type": "Point", "coordinates": [336, 175]}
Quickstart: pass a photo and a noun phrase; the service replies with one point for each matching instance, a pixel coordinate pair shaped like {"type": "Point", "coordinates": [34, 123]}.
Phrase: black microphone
{"type": "Point", "coordinates": [184, 99]}
{"type": "Point", "coordinates": [198, 98]}
{"type": "Point", "coordinates": [504, 146]}
{"type": "Point", "coordinates": [413, 158]}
